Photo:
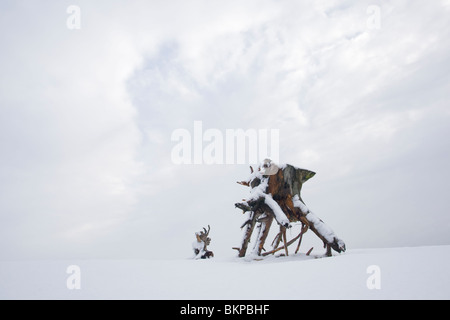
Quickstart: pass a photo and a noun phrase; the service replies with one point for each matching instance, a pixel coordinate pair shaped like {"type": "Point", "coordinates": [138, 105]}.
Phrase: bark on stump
{"type": "Point", "coordinates": [276, 195]}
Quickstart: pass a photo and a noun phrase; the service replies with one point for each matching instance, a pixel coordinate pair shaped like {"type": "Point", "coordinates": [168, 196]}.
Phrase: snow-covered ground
{"type": "Point", "coordinates": [402, 273]}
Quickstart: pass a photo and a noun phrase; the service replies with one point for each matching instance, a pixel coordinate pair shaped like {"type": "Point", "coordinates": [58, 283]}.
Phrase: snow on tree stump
{"type": "Point", "coordinates": [201, 243]}
{"type": "Point", "coordinates": [275, 195]}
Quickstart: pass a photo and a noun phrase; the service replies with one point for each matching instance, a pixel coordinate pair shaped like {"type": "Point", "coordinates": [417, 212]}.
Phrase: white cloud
{"type": "Point", "coordinates": [87, 114]}
{"type": "Point", "coordinates": [68, 128]}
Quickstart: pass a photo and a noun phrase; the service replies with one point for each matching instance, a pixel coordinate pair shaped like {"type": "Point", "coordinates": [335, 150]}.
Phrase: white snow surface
{"type": "Point", "coordinates": [259, 190]}
{"type": "Point", "coordinates": [279, 214]}
{"type": "Point", "coordinates": [405, 273]}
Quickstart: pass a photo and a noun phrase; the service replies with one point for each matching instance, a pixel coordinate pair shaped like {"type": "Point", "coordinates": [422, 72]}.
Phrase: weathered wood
{"type": "Point", "coordinates": [285, 245]}
{"type": "Point", "coordinates": [279, 197]}
{"type": "Point", "coordinates": [244, 207]}
{"type": "Point", "coordinates": [276, 241]}
{"type": "Point", "coordinates": [304, 229]}
{"type": "Point", "coordinates": [264, 232]}
{"type": "Point", "coordinates": [285, 242]}
{"type": "Point", "coordinates": [328, 253]}
{"type": "Point", "coordinates": [247, 235]}
{"type": "Point", "coordinates": [200, 245]}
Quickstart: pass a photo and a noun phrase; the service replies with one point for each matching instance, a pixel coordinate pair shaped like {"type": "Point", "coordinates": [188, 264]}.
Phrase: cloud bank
{"type": "Point", "coordinates": [86, 119]}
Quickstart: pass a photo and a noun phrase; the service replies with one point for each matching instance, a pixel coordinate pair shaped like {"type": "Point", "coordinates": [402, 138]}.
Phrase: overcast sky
{"type": "Point", "coordinates": [359, 91]}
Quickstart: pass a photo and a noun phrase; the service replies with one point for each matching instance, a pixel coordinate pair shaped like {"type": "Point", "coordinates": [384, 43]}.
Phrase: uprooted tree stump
{"type": "Point", "coordinates": [200, 245]}
{"type": "Point", "coordinates": [275, 195]}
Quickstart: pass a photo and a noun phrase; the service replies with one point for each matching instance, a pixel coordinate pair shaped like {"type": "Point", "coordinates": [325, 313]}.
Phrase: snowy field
{"type": "Point", "coordinates": [404, 273]}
